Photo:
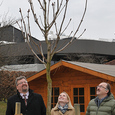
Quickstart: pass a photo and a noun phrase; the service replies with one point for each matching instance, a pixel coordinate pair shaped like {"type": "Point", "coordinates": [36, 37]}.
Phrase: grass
{"type": "Point", "coordinates": [2, 107]}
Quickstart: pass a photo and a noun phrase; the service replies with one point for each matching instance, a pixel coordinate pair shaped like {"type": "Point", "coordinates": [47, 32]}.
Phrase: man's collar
{"type": "Point", "coordinates": [27, 94]}
{"type": "Point", "coordinates": [103, 98]}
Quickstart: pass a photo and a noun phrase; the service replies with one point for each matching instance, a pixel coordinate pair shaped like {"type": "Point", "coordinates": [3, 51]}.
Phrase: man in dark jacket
{"type": "Point", "coordinates": [31, 103]}
{"type": "Point", "coordinates": [104, 103]}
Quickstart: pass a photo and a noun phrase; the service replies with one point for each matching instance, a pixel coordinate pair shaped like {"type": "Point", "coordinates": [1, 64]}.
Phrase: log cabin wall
{"type": "Point", "coordinates": [77, 84]}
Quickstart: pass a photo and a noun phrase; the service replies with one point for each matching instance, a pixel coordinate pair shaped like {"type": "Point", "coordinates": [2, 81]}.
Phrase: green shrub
{"type": "Point", "coordinates": [3, 106]}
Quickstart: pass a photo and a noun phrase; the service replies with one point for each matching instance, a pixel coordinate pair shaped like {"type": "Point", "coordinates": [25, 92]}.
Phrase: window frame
{"type": "Point", "coordinates": [53, 96]}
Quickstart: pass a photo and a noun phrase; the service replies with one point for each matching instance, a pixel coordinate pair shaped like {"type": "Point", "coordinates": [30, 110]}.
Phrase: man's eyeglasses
{"type": "Point", "coordinates": [100, 86]}
{"type": "Point", "coordinates": [22, 82]}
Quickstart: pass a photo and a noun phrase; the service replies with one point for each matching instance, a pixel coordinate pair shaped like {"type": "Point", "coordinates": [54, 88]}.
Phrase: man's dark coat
{"type": "Point", "coordinates": [35, 104]}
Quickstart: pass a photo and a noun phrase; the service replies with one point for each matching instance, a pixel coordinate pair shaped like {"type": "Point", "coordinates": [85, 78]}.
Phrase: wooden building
{"type": "Point", "coordinates": [79, 80]}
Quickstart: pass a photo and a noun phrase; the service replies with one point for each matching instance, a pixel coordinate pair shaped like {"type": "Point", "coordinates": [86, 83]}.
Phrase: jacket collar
{"type": "Point", "coordinates": [30, 93]}
{"type": "Point", "coordinates": [105, 99]}
{"type": "Point", "coordinates": [56, 107]}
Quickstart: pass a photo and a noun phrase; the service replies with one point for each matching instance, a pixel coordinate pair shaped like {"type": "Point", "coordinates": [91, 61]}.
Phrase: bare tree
{"type": "Point", "coordinates": [45, 24]}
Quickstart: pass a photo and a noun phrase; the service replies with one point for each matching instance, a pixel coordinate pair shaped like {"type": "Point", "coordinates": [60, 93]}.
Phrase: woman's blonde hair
{"type": "Point", "coordinates": [69, 101]}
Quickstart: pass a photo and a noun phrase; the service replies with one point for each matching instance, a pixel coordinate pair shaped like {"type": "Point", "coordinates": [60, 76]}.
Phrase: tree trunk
{"type": "Point", "coordinates": [49, 83]}
{"type": "Point", "coordinates": [49, 90]}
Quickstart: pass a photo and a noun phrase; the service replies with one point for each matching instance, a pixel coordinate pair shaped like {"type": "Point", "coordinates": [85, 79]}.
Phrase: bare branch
{"type": "Point", "coordinates": [34, 51]}
{"type": "Point", "coordinates": [57, 4]}
{"type": "Point", "coordinates": [29, 24]}
{"type": "Point", "coordinates": [58, 34]}
{"type": "Point", "coordinates": [31, 39]}
{"type": "Point", "coordinates": [66, 27]}
{"type": "Point", "coordinates": [41, 4]}
{"type": "Point", "coordinates": [23, 21]}
{"type": "Point", "coordinates": [34, 15]}
{"type": "Point", "coordinates": [55, 17]}
{"type": "Point", "coordinates": [81, 34]}
{"type": "Point", "coordinates": [76, 30]}
{"type": "Point", "coordinates": [40, 50]}
{"type": "Point", "coordinates": [53, 7]}
{"type": "Point", "coordinates": [27, 37]}
{"type": "Point", "coordinates": [69, 42]}
{"type": "Point", "coordinates": [45, 22]}
{"type": "Point", "coordinates": [63, 16]}
{"type": "Point", "coordinates": [56, 28]}
{"type": "Point", "coordinates": [70, 33]}
{"type": "Point", "coordinates": [48, 12]}
{"type": "Point", "coordinates": [81, 19]}
{"type": "Point", "coordinates": [41, 21]}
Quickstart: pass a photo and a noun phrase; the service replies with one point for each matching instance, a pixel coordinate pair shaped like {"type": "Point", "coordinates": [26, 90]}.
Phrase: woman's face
{"type": "Point", "coordinates": [63, 98]}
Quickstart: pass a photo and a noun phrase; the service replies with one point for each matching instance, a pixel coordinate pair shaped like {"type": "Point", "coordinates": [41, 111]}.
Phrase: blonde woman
{"type": "Point", "coordinates": [63, 106]}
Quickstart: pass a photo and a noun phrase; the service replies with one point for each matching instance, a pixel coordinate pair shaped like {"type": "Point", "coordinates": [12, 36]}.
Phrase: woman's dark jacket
{"type": "Point", "coordinates": [35, 104]}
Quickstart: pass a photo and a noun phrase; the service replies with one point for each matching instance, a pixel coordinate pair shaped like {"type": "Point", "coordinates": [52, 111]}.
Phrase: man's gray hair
{"type": "Point", "coordinates": [19, 78]}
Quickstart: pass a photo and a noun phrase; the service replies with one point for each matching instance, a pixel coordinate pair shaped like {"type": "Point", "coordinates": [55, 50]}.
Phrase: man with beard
{"type": "Point", "coordinates": [104, 103]}
{"type": "Point", "coordinates": [31, 103]}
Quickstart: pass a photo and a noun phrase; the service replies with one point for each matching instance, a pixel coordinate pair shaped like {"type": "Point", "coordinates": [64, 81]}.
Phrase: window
{"type": "Point", "coordinates": [92, 92]}
{"type": "Point", "coordinates": [78, 97]}
{"type": "Point", "coordinates": [55, 94]}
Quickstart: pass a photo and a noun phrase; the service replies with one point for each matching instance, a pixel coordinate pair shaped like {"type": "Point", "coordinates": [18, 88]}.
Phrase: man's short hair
{"type": "Point", "coordinates": [109, 88]}
{"type": "Point", "coordinates": [19, 78]}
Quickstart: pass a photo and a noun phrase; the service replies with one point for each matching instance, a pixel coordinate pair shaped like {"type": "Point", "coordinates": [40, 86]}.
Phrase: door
{"type": "Point", "coordinates": [78, 97]}
{"type": "Point", "coordinates": [82, 94]}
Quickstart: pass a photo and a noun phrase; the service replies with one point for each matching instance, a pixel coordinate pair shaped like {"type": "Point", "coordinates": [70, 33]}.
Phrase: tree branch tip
{"type": "Point", "coordinates": [19, 9]}
{"type": "Point", "coordinates": [52, 4]}
{"type": "Point", "coordinates": [28, 10]}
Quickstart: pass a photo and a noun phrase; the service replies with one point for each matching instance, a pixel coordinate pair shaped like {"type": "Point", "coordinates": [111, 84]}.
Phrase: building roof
{"type": "Point", "coordinates": [84, 46]}
{"type": "Point", "coordinates": [78, 46]}
{"type": "Point", "coordinates": [24, 67]}
{"type": "Point", "coordinates": [102, 68]}
{"type": "Point", "coordinates": [20, 47]}
{"type": "Point", "coordinates": [99, 70]}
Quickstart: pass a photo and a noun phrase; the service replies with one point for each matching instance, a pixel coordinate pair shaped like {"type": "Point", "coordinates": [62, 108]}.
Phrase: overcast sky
{"type": "Point", "coordinates": [99, 20]}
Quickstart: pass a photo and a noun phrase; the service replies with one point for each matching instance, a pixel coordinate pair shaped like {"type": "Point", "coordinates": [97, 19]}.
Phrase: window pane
{"type": "Point", "coordinates": [51, 105]}
{"type": "Point", "coordinates": [56, 91]}
{"type": "Point", "coordinates": [92, 90]}
{"type": "Point", "coordinates": [75, 99]}
{"type": "Point", "coordinates": [82, 108]}
{"type": "Point", "coordinates": [55, 94]}
{"type": "Point", "coordinates": [81, 99]}
{"type": "Point", "coordinates": [55, 104]}
{"type": "Point", "coordinates": [75, 91]}
{"type": "Point", "coordinates": [56, 99]}
{"type": "Point", "coordinates": [52, 100]}
{"type": "Point", "coordinates": [81, 91]}
{"type": "Point", "coordinates": [52, 91]}
{"type": "Point", "coordinates": [92, 97]}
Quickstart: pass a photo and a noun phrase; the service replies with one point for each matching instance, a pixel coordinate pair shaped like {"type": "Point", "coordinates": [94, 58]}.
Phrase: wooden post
{"type": "Point", "coordinates": [77, 109]}
{"type": "Point", "coordinates": [18, 108]}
